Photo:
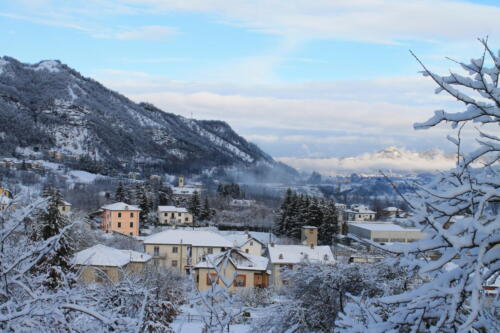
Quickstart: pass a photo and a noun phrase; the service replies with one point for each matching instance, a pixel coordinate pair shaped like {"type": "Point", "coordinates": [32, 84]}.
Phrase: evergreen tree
{"type": "Point", "coordinates": [121, 194]}
{"type": "Point", "coordinates": [194, 205]}
{"type": "Point", "coordinates": [49, 223]}
{"type": "Point", "coordinates": [281, 219]}
{"type": "Point", "coordinates": [206, 212]}
{"type": "Point", "coordinates": [144, 205]}
{"type": "Point", "coordinates": [329, 225]}
{"type": "Point", "coordinates": [165, 195]}
{"type": "Point", "coordinates": [314, 214]}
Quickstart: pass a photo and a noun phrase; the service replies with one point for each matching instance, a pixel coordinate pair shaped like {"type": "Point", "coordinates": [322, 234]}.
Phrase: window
{"type": "Point", "coordinates": [63, 208]}
{"type": "Point", "coordinates": [247, 251]}
{"type": "Point", "coordinates": [131, 214]}
{"type": "Point", "coordinates": [119, 214]}
{"type": "Point", "coordinates": [240, 281]}
{"type": "Point", "coordinates": [251, 243]}
{"type": "Point", "coordinates": [186, 219]}
{"type": "Point", "coordinates": [211, 277]}
{"type": "Point", "coordinates": [173, 215]}
{"type": "Point", "coordinates": [174, 263]}
{"type": "Point", "coordinates": [165, 214]}
{"type": "Point", "coordinates": [119, 224]}
{"type": "Point", "coordinates": [131, 233]}
{"type": "Point", "coordinates": [175, 249]}
{"type": "Point", "coordinates": [210, 250]}
{"type": "Point", "coordinates": [156, 251]}
{"type": "Point", "coordinates": [131, 224]}
{"type": "Point", "coordinates": [178, 214]}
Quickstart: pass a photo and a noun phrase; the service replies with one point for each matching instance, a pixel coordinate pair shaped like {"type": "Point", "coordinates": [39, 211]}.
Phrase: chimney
{"type": "Point", "coordinates": [272, 244]}
{"type": "Point", "coordinates": [309, 236]}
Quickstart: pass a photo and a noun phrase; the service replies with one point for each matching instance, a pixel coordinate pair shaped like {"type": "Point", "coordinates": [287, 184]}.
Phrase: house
{"type": "Point", "coordinates": [174, 215]}
{"type": "Point", "coordinates": [120, 217]}
{"type": "Point", "coordinates": [359, 213]}
{"type": "Point", "coordinates": [64, 207]}
{"type": "Point", "coordinates": [100, 263]}
{"type": "Point", "coordinates": [385, 232]}
{"type": "Point", "coordinates": [246, 243]}
{"type": "Point", "coordinates": [241, 203]}
{"type": "Point", "coordinates": [242, 269]}
{"type": "Point", "coordinates": [391, 212]}
{"type": "Point", "coordinates": [289, 256]}
{"type": "Point", "coordinates": [182, 249]}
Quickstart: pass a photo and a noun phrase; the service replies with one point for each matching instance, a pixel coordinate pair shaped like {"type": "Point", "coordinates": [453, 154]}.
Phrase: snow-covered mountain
{"type": "Point", "coordinates": [394, 160]}
{"type": "Point", "coordinates": [50, 109]}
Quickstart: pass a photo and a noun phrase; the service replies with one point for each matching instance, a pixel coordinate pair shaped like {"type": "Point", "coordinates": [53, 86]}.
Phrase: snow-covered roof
{"type": "Point", "coordinates": [239, 259]}
{"type": "Point", "coordinates": [192, 237]}
{"type": "Point", "coordinates": [382, 226]}
{"type": "Point", "coordinates": [101, 255]}
{"type": "Point", "coordinates": [293, 254]}
{"type": "Point", "coordinates": [241, 239]}
{"type": "Point", "coordinates": [65, 203]}
{"type": "Point", "coordinates": [120, 206]}
{"type": "Point", "coordinates": [172, 209]}
{"type": "Point", "coordinates": [392, 209]}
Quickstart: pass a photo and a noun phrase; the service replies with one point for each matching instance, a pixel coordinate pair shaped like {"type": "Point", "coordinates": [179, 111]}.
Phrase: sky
{"type": "Point", "coordinates": [300, 78]}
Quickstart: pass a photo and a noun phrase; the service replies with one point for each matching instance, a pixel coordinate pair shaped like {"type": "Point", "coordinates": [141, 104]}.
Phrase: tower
{"type": "Point", "coordinates": [181, 181]}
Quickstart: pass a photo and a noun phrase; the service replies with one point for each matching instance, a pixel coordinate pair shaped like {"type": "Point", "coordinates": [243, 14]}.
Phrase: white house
{"type": "Point", "coordinates": [241, 203]}
{"type": "Point", "coordinates": [174, 215]}
{"type": "Point", "coordinates": [359, 213]}
{"type": "Point", "coordinates": [247, 243]}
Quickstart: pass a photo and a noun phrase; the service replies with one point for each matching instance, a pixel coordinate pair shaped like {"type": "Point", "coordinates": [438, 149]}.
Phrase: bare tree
{"type": "Point", "coordinates": [459, 213]}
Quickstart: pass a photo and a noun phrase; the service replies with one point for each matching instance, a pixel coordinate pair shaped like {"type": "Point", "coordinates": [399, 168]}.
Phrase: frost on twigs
{"type": "Point", "coordinates": [459, 212]}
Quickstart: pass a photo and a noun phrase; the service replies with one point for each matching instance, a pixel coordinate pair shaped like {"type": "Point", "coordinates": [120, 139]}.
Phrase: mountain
{"type": "Point", "coordinates": [48, 109]}
{"type": "Point", "coordinates": [398, 161]}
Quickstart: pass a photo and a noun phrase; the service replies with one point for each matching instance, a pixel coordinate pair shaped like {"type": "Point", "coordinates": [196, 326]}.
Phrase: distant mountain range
{"type": "Point", "coordinates": [50, 110]}
{"type": "Point", "coordinates": [394, 160]}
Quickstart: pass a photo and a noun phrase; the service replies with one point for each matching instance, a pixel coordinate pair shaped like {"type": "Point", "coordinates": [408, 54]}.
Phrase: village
{"type": "Point", "coordinates": [257, 258]}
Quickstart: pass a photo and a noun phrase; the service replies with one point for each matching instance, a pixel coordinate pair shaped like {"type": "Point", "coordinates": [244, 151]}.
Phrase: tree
{"type": "Point", "coordinates": [458, 211]}
{"type": "Point", "coordinates": [317, 293]}
{"type": "Point", "coordinates": [329, 225]}
{"type": "Point", "coordinates": [49, 223]}
{"type": "Point", "coordinates": [144, 205]}
{"type": "Point", "coordinates": [121, 194]}
{"type": "Point", "coordinates": [206, 212]}
{"type": "Point", "coordinates": [194, 205]}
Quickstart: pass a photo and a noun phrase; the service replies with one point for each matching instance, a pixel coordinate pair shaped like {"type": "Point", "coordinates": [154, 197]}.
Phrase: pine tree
{"type": "Point", "coordinates": [205, 213]}
{"type": "Point", "coordinates": [314, 214]}
{"type": "Point", "coordinates": [121, 194]}
{"type": "Point", "coordinates": [281, 219]}
{"type": "Point", "coordinates": [50, 223]}
{"type": "Point", "coordinates": [144, 205]}
{"type": "Point", "coordinates": [329, 225]}
{"type": "Point", "coordinates": [194, 205]}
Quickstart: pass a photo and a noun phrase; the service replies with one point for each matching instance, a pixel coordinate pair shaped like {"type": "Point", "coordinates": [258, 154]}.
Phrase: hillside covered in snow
{"type": "Point", "coordinates": [49, 109]}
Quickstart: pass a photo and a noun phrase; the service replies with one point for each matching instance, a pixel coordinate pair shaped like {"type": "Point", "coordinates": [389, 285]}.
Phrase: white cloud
{"type": "Point", "coordinates": [392, 159]}
{"type": "Point", "coordinates": [382, 21]}
{"type": "Point", "coordinates": [149, 33]}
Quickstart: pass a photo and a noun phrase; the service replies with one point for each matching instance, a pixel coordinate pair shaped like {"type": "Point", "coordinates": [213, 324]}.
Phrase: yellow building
{"type": "Point", "coordinates": [101, 263]}
{"type": "Point", "coordinates": [182, 249]}
{"type": "Point", "coordinates": [120, 217]}
{"type": "Point", "coordinates": [239, 269]}
{"type": "Point", "coordinates": [173, 215]}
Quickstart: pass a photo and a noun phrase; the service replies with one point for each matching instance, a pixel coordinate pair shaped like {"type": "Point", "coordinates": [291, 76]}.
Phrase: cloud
{"type": "Point", "coordinates": [148, 33]}
{"type": "Point", "coordinates": [382, 21]}
{"type": "Point", "coordinates": [392, 159]}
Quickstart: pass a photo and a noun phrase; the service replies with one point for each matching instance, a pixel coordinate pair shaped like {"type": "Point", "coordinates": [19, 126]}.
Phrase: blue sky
{"type": "Point", "coordinates": [300, 78]}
